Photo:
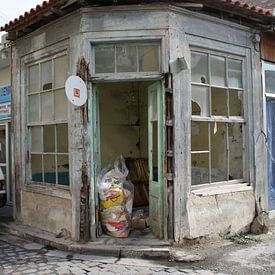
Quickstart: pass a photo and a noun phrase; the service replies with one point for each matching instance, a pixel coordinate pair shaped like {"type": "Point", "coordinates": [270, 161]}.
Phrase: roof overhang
{"type": "Point", "coordinates": [54, 9]}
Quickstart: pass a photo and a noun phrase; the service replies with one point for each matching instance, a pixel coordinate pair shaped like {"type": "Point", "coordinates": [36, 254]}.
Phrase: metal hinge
{"type": "Point", "coordinates": [170, 153]}
{"type": "Point", "coordinates": [169, 122]}
{"type": "Point", "coordinates": [170, 176]}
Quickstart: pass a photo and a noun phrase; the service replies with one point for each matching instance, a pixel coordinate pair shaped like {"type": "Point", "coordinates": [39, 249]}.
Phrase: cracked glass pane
{"type": "Point", "coordinates": [46, 75]}
{"type": "Point", "coordinates": [49, 168]}
{"type": "Point", "coordinates": [34, 79]}
{"type": "Point", "coordinates": [217, 64]}
{"type": "Point", "coordinates": [270, 81]}
{"type": "Point", "coordinates": [199, 68]}
{"type": "Point", "coordinates": [235, 73]}
{"type": "Point", "coordinates": [36, 167]}
{"type": "Point", "coordinates": [200, 168]}
{"type": "Point", "coordinates": [235, 140]}
{"type": "Point", "coordinates": [218, 152]}
{"type": "Point", "coordinates": [47, 106]}
{"type": "Point", "coordinates": [199, 138]}
{"type": "Point", "coordinates": [235, 103]}
{"type": "Point", "coordinates": [148, 56]}
{"type": "Point", "coordinates": [105, 59]}
{"type": "Point", "coordinates": [49, 138]}
{"type": "Point", "coordinates": [36, 139]}
{"type": "Point", "coordinates": [219, 102]}
{"type": "Point", "coordinates": [60, 71]}
{"type": "Point", "coordinates": [126, 58]}
{"type": "Point", "coordinates": [200, 101]}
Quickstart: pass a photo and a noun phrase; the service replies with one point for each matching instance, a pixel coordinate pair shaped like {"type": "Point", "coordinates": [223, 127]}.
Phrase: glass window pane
{"type": "Point", "coordinates": [126, 58]}
{"type": "Point", "coordinates": [36, 139]}
{"type": "Point", "coordinates": [199, 67]}
{"type": "Point", "coordinates": [200, 168]}
{"type": "Point", "coordinates": [49, 138]}
{"type": "Point", "coordinates": [60, 71]}
{"type": "Point", "coordinates": [270, 81]}
{"type": "Point", "coordinates": [235, 73]}
{"type": "Point", "coordinates": [218, 152]}
{"type": "Point", "coordinates": [36, 167]}
{"type": "Point", "coordinates": [47, 106]}
{"type": "Point", "coordinates": [148, 57]}
{"type": "Point", "coordinates": [34, 79]}
{"type": "Point", "coordinates": [34, 108]}
{"type": "Point", "coordinates": [49, 168]}
{"type": "Point", "coordinates": [219, 102]}
{"type": "Point", "coordinates": [105, 59]}
{"type": "Point", "coordinates": [63, 169]}
{"type": "Point", "coordinates": [200, 101]}
{"type": "Point", "coordinates": [217, 64]}
{"type": "Point", "coordinates": [60, 104]}
{"type": "Point", "coordinates": [235, 103]}
{"type": "Point", "coordinates": [199, 139]}
{"type": "Point", "coordinates": [62, 138]}
{"type": "Point", "coordinates": [235, 139]}
{"type": "Point", "coordinates": [46, 75]}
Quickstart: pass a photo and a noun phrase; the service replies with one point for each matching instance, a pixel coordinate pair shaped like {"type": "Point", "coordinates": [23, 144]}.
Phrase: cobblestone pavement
{"type": "Point", "coordinates": [18, 256]}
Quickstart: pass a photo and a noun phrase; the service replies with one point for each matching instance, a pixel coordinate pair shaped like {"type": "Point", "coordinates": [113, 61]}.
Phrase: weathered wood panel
{"type": "Point", "coordinates": [182, 127]}
{"type": "Point", "coordinates": [268, 47]}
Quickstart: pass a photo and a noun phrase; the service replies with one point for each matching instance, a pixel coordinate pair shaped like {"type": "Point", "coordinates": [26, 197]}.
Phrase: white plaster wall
{"type": "Point", "coordinates": [45, 212]}
{"type": "Point", "coordinates": [218, 214]}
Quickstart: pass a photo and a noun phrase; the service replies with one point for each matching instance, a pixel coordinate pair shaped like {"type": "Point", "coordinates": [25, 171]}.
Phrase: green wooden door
{"type": "Point", "coordinates": [155, 157]}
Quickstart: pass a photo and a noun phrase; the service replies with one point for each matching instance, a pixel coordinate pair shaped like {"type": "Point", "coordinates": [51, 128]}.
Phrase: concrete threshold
{"type": "Point", "coordinates": [153, 249]}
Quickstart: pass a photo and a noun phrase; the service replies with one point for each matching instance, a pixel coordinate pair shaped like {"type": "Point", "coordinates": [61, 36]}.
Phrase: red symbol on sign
{"type": "Point", "coordinates": [76, 92]}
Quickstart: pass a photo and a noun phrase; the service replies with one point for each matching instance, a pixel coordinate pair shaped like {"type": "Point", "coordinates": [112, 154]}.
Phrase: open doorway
{"type": "Point", "coordinates": [130, 124]}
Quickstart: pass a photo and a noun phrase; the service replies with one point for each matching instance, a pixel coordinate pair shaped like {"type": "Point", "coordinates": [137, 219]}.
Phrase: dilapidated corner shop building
{"type": "Point", "coordinates": [175, 83]}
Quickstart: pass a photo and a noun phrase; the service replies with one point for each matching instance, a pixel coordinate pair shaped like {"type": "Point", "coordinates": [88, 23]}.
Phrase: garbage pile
{"type": "Point", "coordinates": [116, 199]}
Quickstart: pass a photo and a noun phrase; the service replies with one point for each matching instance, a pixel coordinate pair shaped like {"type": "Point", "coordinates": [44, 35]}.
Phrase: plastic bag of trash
{"type": "Point", "coordinates": [116, 199]}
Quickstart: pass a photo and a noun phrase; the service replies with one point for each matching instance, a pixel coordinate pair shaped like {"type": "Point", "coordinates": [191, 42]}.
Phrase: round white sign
{"type": "Point", "coordinates": [76, 90]}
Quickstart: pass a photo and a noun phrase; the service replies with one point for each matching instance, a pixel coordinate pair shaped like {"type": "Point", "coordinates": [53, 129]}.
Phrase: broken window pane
{"type": "Point", "coordinates": [49, 138]}
{"type": "Point", "coordinates": [46, 75]}
{"type": "Point", "coordinates": [34, 108]}
{"type": "Point", "coordinates": [63, 169]}
{"type": "Point", "coordinates": [218, 152]}
{"type": "Point", "coordinates": [148, 57]}
{"type": "Point", "coordinates": [199, 67]}
{"type": "Point", "coordinates": [34, 79]}
{"type": "Point", "coordinates": [62, 138]}
{"type": "Point", "coordinates": [60, 104]}
{"type": "Point", "coordinates": [270, 81]}
{"type": "Point", "coordinates": [46, 106]}
{"type": "Point", "coordinates": [36, 167]}
{"type": "Point", "coordinates": [36, 139]}
{"type": "Point", "coordinates": [126, 58]}
{"type": "Point", "coordinates": [200, 101]}
{"type": "Point", "coordinates": [219, 102]}
{"type": "Point", "coordinates": [200, 168]}
{"type": "Point", "coordinates": [49, 168]}
{"type": "Point", "coordinates": [235, 140]}
{"type": "Point", "coordinates": [217, 64]}
{"type": "Point", "coordinates": [105, 59]}
{"type": "Point", "coordinates": [199, 138]}
{"type": "Point", "coordinates": [60, 71]}
{"type": "Point", "coordinates": [235, 103]}
{"type": "Point", "coordinates": [235, 73]}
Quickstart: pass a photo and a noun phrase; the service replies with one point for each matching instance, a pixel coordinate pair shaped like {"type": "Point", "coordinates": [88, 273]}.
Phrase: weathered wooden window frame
{"type": "Point", "coordinates": [223, 119]}
{"type": "Point", "coordinates": [120, 76]}
{"type": "Point", "coordinates": [41, 124]}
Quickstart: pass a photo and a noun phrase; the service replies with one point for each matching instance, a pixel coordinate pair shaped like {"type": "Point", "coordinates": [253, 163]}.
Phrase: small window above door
{"type": "Point", "coordinates": [124, 58]}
